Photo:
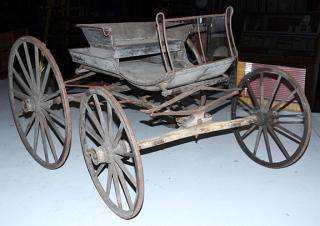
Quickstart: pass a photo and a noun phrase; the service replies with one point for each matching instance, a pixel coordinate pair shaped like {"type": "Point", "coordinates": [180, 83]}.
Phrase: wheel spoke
{"type": "Point", "coordinates": [278, 142]}
{"type": "Point", "coordinates": [20, 113]}
{"type": "Point", "coordinates": [45, 79]}
{"type": "Point", "coordinates": [261, 92]}
{"type": "Point", "coordinates": [36, 61]}
{"type": "Point", "coordinates": [249, 131]}
{"type": "Point", "coordinates": [96, 137]}
{"type": "Point", "coordinates": [110, 118]}
{"type": "Point", "coordinates": [117, 187]}
{"type": "Point", "coordinates": [95, 121]}
{"type": "Point", "coordinates": [118, 135]}
{"type": "Point", "coordinates": [56, 117]}
{"type": "Point", "coordinates": [246, 106]}
{"type": "Point", "coordinates": [26, 52]}
{"type": "Point", "coordinates": [109, 179]}
{"type": "Point", "coordinates": [124, 186]}
{"type": "Point", "coordinates": [54, 128]}
{"type": "Point", "coordinates": [273, 94]}
{"type": "Point", "coordinates": [20, 95]}
{"type": "Point", "coordinates": [298, 115]}
{"type": "Point", "coordinates": [285, 101]}
{"type": "Point", "coordinates": [24, 70]}
{"type": "Point", "coordinates": [266, 141]}
{"type": "Point", "coordinates": [36, 134]}
{"type": "Point", "coordinates": [291, 122]}
{"type": "Point", "coordinates": [126, 171]}
{"type": "Point", "coordinates": [49, 138]}
{"type": "Point", "coordinates": [257, 141]}
{"type": "Point", "coordinates": [44, 143]}
{"type": "Point", "coordinates": [124, 154]}
{"type": "Point", "coordinates": [285, 105]}
{"type": "Point", "coordinates": [289, 134]}
{"type": "Point", "coordinates": [21, 82]}
{"type": "Point", "coordinates": [52, 95]}
{"type": "Point", "coordinates": [100, 168]}
{"type": "Point", "coordinates": [30, 123]}
{"type": "Point", "coordinates": [251, 94]}
{"type": "Point", "coordinates": [100, 114]}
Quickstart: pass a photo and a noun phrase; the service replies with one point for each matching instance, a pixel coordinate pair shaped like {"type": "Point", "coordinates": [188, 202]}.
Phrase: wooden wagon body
{"type": "Point", "coordinates": [152, 54]}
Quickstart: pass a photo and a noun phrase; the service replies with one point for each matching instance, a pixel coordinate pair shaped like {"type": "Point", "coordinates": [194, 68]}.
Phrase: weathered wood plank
{"type": "Point", "coordinates": [195, 130]}
{"type": "Point", "coordinates": [98, 59]}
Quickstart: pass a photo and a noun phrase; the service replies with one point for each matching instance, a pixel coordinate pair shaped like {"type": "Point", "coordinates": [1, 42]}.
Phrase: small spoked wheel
{"type": "Point", "coordinates": [283, 128]}
{"type": "Point", "coordinates": [39, 102]}
{"type": "Point", "coordinates": [111, 153]}
{"type": "Point", "coordinates": [195, 56]}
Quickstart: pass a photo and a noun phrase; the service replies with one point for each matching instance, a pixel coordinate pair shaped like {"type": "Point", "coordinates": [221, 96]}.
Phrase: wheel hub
{"type": "Point", "coordinates": [266, 117]}
{"type": "Point", "coordinates": [31, 105]}
{"type": "Point", "coordinates": [107, 153]}
{"type": "Point", "coordinates": [28, 106]}
{"type": "Point", "coordinates": [99, 155]}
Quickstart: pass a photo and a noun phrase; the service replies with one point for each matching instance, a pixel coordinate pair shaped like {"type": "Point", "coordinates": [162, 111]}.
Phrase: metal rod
{"type": "Point", "coordinates": [161, 28]}
{"type": "Point", "coordinates": [204, 108]}
{"type": "Point", "coordinates": [133, 100]}
{"type": "Point", "coordinates": [173, 100]}
{"type": "Point", "coordinates": [89, 74]}
{"type": "Point", "coordinates": [211, 82]}
{"type": "Point", "coordinates": [193, 17]}
{"type": "Point", "coordinates": [213, 104]}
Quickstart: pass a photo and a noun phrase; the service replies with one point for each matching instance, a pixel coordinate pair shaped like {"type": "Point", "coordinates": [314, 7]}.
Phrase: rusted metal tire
{"type": "Point", "coordinates": [284, 118]}
{"type": "Point", "coordinates": [111, 153]}
{"type": "Point", "coordinates": [39, 102]}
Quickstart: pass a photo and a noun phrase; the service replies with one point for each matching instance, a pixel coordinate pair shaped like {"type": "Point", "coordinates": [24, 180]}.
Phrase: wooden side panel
{"type": "Point", "coordinates": [143, 48]}
{"type": "Point", "coordinates": [85, 57]}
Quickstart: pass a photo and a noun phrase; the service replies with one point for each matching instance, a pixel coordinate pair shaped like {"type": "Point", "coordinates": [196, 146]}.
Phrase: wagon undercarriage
{"type": "Point", "coordinates": [163, 70]}
{"type": "Point", "coordinates": [192, 120]}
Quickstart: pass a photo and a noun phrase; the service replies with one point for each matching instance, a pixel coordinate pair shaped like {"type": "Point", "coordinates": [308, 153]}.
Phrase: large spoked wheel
{"type": "Point", "coordinates": [39, 102]}
{"type": "Point", "coordinates": [283, 129]}
{"type": "Point", "coordinates": [111, 153]}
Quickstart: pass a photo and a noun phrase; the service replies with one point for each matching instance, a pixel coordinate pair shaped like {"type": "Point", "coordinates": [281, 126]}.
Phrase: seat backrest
{"type": "Point", "coordinates": [203, 24]}
{"type": "Point", "coordinates": [109, 34]}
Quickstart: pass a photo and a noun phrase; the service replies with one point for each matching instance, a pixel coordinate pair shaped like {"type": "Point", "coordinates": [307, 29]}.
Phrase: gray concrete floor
{"type": "Point", "coordinates": [211, 182]}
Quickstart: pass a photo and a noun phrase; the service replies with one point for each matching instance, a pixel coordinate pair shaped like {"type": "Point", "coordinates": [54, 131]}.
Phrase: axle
{"type": "Point", "coordinates": [196, 130]}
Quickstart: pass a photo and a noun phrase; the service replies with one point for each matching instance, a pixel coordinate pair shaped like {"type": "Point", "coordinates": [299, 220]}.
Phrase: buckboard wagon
{"type": "Point", "coordinates": [165, 69]}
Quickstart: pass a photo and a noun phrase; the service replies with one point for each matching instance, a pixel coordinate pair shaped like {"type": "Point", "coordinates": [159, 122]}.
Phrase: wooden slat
{"type": "Point", "coordinates": [195, 131]}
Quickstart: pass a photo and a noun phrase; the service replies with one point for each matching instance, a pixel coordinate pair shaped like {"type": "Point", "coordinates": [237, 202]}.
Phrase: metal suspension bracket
{"type": "Point", "coordinates": [194, 120]}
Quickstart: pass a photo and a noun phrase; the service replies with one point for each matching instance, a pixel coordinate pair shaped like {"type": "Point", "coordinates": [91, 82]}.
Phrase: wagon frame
{"type": "Point", "coordinates": [152, 72]}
